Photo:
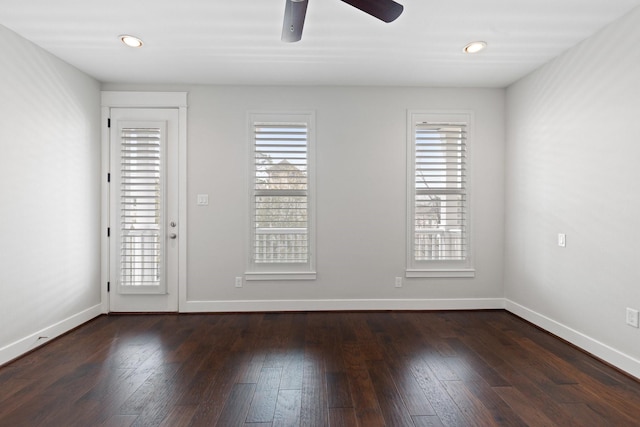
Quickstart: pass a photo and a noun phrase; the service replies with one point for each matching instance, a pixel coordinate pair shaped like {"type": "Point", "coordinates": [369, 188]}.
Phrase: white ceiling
{"type": "Point", "coordinates": [238, 41]}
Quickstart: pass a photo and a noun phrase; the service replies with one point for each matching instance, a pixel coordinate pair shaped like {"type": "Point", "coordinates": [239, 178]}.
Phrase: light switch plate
{"type": "Point", "coordinates": [203, 199]}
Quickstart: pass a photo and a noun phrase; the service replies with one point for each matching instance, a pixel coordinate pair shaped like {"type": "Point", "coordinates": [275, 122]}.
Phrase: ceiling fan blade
{"type": "Point", "coordinates": [294, 13]}
{"type": "Point", "coordinates": [384, 10]}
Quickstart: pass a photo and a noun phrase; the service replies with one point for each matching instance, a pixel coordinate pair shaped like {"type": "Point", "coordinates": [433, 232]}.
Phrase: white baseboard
{"type": "Point", "coordinates": [28, 343]}
{"type": "Point", "coordinates": [343, 304]}
{"type": "Point", "coordinates": [610, 355]}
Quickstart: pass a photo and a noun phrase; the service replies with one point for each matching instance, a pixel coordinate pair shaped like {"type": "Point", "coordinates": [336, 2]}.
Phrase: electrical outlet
{"type": "Point", "coordinates": [238, 282]}
{"type": "Point", "coordinates": [398, 282]}
{"type": "Point", "coordinates": [562, 240]}
{"type": "Point", "coordinates": [632, 317]}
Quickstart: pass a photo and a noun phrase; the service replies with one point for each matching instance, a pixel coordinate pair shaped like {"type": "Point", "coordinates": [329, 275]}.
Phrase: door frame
{"type": "Point", "coordinates": [116, 99]}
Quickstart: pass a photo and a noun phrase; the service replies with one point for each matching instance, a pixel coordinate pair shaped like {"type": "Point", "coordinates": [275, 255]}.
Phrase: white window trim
{"type": "Point", "coordinates": [438, 269]}
{"type": "Point", "coordinates": [281, 272]}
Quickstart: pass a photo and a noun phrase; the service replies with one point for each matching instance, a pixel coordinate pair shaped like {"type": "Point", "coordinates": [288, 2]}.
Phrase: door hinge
{"type": "Point", "coordinates": [108, 286]}
{"type": "Point", "coordinates": [109, 123]}
{"type": "Point", "coordinates": [108, 231]}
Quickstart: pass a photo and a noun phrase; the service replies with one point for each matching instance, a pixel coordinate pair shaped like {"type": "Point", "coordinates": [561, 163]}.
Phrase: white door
{"type": "Point", "coordinates": [143, 210]}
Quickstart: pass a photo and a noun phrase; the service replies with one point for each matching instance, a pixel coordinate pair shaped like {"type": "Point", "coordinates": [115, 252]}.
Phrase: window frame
{"type": "Point", "coordinates": [282, 270]}
{"type": "Point", "coordinates": [438, 268]}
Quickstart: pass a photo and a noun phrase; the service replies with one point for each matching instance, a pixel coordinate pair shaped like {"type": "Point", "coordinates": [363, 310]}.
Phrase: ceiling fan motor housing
{"type": "Point", "coordinates": [295, 11]}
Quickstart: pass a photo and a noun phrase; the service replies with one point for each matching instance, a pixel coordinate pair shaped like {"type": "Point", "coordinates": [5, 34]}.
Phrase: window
{"type": "Point", "coordinates": [282, 232]}
{"type": "Point", "coordinates": [438, 235]}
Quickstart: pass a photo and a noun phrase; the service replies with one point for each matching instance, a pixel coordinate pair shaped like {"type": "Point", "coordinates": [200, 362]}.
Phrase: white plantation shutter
{"type": "Point", "coordinates": [280, 217]}
{"type": "Point", "coordinates": [440, 194]}
{"type": "Point", "coordinates": [141, 201]}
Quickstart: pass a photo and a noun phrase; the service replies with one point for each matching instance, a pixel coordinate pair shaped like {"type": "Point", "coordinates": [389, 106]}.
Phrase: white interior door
{"type": "Point", "coordinates": [143, 210]}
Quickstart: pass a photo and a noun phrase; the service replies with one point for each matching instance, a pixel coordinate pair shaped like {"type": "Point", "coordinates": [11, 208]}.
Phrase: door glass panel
{"type": "Point", "coordinates": [141, 210]}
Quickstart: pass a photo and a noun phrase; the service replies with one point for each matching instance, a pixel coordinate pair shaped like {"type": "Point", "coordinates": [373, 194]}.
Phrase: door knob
{"type": "Point", "coordinates": [173, 235]}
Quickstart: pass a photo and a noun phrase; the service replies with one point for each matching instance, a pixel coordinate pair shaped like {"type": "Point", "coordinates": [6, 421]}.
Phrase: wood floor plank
{"type": "Point", "coordinates": [108, 397]}
{"type": "Point", "coordinates": [31, 412]}
{"type": "Point", "coordinates": [498, 361]}
{"type": "Point", "coordinates": [215, 396]}
{"type": "Point", "coordinates": [441, 368]}
{"type": "Point", "coordinates": [292, 370]}
{"type": "Point", "coordinates": [314, 400]}
{"type": "Point", "coordinates": [391, 404]}
{"type": "Point", "coordinates": [538, 398]}
{"type": "Point", "coordinates": [235, 410]}
{"type": "Point", "coordinates": [165, 399]}
{"type": "Point", "coordinates": [250, 373]}
{"type": "Point", "coordinates": [13, 386]}
{"type": "Point", "coordinates": [365, 337]}
{"type": "Point", "coordinates": [179, 416]}
{"type": "Point", "coordinates": [104, 400]}
{"type": "Point", "coordinates": [201, 383]}
{"type": "Point", "coordinates": [584, 415]}
{"type": "Point", "coordinates": [263, 404]}
{"type": "Point", "coordinates": [73, 387]}
{"type": "Point", "coordinates": [470, 367]}
{"type": "Point", "coordinates": [363, 393]}
{"type": "Point", "coordinates": [470, 406]}
{"type": "Point", "coordinates": [447, 411]}
{"type": "Point", "coordinates": [530, 414]}
{"type": "Point", "coordinates": [152, 389]}
{"type": "Point", "coordinates": [427, 421]}
{"type": "Point", "coordinates": [119, 421]}
{"type": "Point", "coordinates": [410, 391]}
{"type": "Point", "coordinates": [502, 413]}
{"type": "Point", "coordinates": [288, 408]}
{"type": "Point", "coordinates": [507, 357]}
{"type": "Point", "coordinates": [370, 369]}
{"type": "Point", "coordinates": [338, 390]}
{"type": "Point", "coordinates": [342, 417]}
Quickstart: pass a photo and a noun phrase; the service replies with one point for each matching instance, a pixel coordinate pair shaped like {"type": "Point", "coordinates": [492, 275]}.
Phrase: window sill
{"type": "Point", "coordinates": [441, 273]}
{"type": "Point", "coordinates": [311, 275]}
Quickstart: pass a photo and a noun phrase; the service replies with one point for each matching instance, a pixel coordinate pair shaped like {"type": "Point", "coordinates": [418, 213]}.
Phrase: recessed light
{"type": "Point", "coordinates": [474, 47]}
{"type": "Point", "coordinates": [131, 41]}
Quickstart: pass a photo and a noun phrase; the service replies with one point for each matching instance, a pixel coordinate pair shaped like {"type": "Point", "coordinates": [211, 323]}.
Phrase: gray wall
{"type": "Point", "coordinates": [573, 152]}
{"type": "Point", "coordinates": [50, 188]}
{"type": "Point", "coordinates": [361, 197]}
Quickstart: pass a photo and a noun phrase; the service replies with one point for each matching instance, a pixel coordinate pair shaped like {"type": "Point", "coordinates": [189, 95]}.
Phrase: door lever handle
{"type": "Point", "coordinates": [173, 235]}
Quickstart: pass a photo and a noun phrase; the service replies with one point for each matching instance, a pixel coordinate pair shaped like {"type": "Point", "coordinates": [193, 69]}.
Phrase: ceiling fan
{"type": "Point", "coordinates": [295, 11]}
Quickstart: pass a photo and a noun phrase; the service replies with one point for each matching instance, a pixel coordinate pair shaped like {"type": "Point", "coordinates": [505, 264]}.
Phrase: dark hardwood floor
{"type": "Point", "coordinates": [365, 369]}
